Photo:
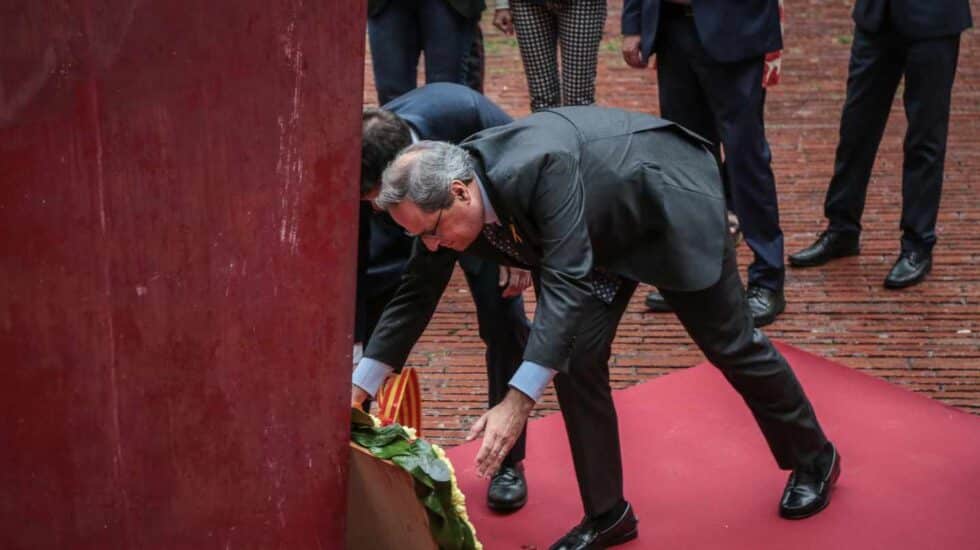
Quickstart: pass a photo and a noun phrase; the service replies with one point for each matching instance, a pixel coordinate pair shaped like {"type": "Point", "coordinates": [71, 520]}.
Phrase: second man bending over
{"type": "Point", "coordinates": [448, 112]}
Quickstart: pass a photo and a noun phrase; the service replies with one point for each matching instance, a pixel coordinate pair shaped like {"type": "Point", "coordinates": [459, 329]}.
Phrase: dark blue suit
{"type": "Point", "coordinates": [400, 30]}
{"type": "Point", "coordinates": [892, 38]}
{"type": "Point", "coordinates": [443, 112]}
{"type": "Point", "coordinates": [914, 19]}
{"type": "Point", "coordinates": [709, 67]}
{"type": "Point", "coordinates": [730, 31]}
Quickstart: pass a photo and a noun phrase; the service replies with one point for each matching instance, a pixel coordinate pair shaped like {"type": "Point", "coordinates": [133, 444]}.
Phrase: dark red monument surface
{"type": "Point", "coordinates": [177, 219]}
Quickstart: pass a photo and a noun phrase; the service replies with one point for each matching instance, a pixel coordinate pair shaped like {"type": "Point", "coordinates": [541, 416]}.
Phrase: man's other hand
{"type": "Point", "coordinates": [501, 427]}
{"type": "Point", "coordinates": [631, 51]}
{"type": "Point", "coordinates": [514, 281]}
{"type": "Point", "coordinates": [503, 21]}
{"type": "Point", "coordinates": [358, 397]}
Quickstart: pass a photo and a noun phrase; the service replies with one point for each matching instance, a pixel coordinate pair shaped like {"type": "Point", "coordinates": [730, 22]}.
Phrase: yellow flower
{"type": "Point", "coordinates": [459, 499]}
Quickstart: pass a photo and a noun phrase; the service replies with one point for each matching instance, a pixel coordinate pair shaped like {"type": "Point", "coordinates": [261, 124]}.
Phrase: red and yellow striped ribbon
{"type": "Point", "coordinates": [400, 400]}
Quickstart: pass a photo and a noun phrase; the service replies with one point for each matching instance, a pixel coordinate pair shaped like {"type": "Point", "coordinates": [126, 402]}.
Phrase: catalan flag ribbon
{"type": "Point", "coordinates": [400, 400]}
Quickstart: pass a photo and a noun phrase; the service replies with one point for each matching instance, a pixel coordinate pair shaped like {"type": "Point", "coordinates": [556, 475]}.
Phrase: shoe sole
{"type": "Point", "coordinates": [912, 282]}
{"type": "Point", "coordinates": [623, 539]}
{"type": "Point", "coordinates": [833, 481]}
{"type": "Point", "coordinates": [814, 263]}
{"type": "Point", "coordinates": [507, 507]}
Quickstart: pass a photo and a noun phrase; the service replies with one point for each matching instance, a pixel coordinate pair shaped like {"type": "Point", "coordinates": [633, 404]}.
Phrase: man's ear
{"type": "Point", "coordinates": [461, 190]}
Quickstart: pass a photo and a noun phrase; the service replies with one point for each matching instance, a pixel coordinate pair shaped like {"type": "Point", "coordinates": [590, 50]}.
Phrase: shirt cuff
{"type": "Point", "coordinates": [503, 4]}
{"type": "Point", "coordinates": [531, 379]}
{"type": "Point", "coordinates": [370, 374]}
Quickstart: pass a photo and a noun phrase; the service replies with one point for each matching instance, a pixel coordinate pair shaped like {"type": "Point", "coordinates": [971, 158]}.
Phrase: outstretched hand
{"type": "Point", "coordinates": [501, 426]}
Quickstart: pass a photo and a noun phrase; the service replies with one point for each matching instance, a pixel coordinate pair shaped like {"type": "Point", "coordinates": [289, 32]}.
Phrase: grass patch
{"type": "Point", "coordinates": [499, 44]}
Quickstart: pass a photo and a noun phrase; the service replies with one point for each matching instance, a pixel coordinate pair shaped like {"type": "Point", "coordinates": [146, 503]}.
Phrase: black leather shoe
{"type": "Point", "coordinates": [829, 245]}
{"type": "Point", "coordinates": [656, 303]}
{"type": "Point", "coordinates": [909, 269]}
{"type": "Point", "coordinates": [808, 490]}
{"type": "Point", "coordinates": [508, 489]}
{"type": "Point", "coordinates": [586, 536]}
{"type": "Point", "coordinates": [765, 304]}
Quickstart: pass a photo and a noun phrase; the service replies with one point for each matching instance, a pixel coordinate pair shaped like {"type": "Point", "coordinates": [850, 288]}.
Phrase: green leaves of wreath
{"type": "Point", "coordinates": [435, 483]}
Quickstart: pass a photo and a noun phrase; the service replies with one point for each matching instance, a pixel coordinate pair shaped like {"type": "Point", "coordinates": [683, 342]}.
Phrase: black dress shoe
{"type": "Point", "coordinates": [508, 489]}
{"type": "Point", "coordinates": [808, 490]}
{"type": "Point", "coordinates": [765, 304]}
{"type": "Point", "coordinates": [909, 269]}
{"type": "Point", "coordinates": [587, 536]}
{"type": "Point", "coordinates": [656, 303]}
{"type": "Point", "coordinates": [829, 245]}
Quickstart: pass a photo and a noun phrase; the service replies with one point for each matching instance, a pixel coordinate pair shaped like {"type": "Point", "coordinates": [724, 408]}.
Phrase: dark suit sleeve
{"type": "Point", "coordinates": [408, 313]}
{"type": "Point", "coordinates": [632, 22]}
{"type": "Point", "coordinates": [363, 247]}
{"type": "Point", "coordinates": [558, 209]}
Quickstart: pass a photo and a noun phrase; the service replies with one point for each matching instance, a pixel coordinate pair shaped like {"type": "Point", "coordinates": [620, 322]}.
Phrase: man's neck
{"type": "Point", "coordinates": [489, 214]}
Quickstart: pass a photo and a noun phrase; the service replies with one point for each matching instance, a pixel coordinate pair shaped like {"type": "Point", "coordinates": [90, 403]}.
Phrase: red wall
{"type": "Point", "coordinates": [178, 187]}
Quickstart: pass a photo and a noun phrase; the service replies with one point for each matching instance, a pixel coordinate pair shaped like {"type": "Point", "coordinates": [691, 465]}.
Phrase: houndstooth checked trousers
{"type": "Point", "coordinates": [574, 27]}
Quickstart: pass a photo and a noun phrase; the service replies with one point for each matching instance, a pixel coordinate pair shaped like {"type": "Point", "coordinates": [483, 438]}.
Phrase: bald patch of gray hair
{"type": "Point", "coordinates": [423, 173]}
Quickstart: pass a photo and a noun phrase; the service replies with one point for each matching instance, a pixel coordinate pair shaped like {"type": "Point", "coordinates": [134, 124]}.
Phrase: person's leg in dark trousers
{"type": "Point", "coordinates": [396, 42]}
{"type": "Point", "coordinates": [929, 72]}
{"type": "Point", "coordinates": [504, 329]}
{"type": "Point", "coordinates": [681, 98]}
{"type": "Point", "coordinates": [720, 323]}
{"type": "Point", "coordinates": [737, 99]}
{"type": "Point", "coordinates": [580, 27]}
{"type": "Point", "coordinates": [536, 28]}
{"type": "Point", "coordinates": [587, 406]}
{"type": "Point", "coordinates": [724, 103]}
{"type": "Point", "coordinates": [447, 38]}
{"type": "Point", "coordinates": [872, 78]}
{"type": "Point", "coordinates": [474, 64]}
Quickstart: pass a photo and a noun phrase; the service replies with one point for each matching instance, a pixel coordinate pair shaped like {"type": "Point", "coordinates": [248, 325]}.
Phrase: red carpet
{"type": "Point", "coordinates": [700, 475]}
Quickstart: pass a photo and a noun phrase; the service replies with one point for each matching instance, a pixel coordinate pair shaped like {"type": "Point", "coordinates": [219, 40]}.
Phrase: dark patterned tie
{"type": "Point", "coordinates": [502, 240]}
{"type": "Point", "coordinates": [604, 284]}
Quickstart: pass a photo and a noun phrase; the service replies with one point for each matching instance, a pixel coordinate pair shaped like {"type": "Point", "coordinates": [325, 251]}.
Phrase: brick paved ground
{"type": "Point", "coordinates": [926, 339]}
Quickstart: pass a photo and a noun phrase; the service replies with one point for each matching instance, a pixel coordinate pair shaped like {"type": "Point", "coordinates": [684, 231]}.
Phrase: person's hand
{"type": "Point", "coordinates": [631, 51]}
{"type": "Point", "coordinates": [514, 281]}
{"type": "Point", "coordinates": [357, 353]}
{"type": "Point", "coordinates": [501, 426]}
{"type": "Point", "coordinates": [357, 397]}
{"type": "Point", "coordinates": [503, 21]}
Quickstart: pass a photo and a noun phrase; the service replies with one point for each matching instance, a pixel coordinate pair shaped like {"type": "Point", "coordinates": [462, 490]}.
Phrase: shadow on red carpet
{"type": "Point", "coordinates": [700, 475]}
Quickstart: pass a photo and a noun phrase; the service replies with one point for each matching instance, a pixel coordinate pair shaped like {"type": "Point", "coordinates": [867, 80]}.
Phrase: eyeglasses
{"type": "Point", "coordinates": [430, 234]}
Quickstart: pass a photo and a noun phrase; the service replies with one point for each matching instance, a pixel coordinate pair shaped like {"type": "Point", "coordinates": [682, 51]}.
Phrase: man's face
{"type": "Point", "coordinates": [455, 227]}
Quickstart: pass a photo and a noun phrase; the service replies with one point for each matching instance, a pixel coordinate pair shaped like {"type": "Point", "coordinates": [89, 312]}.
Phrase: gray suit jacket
{"type": "Point", "coordinates": [582, 187]}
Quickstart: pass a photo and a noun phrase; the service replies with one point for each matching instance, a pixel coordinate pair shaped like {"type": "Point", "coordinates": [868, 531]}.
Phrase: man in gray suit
{"type": "Point", "coordinates": [593, 201]}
